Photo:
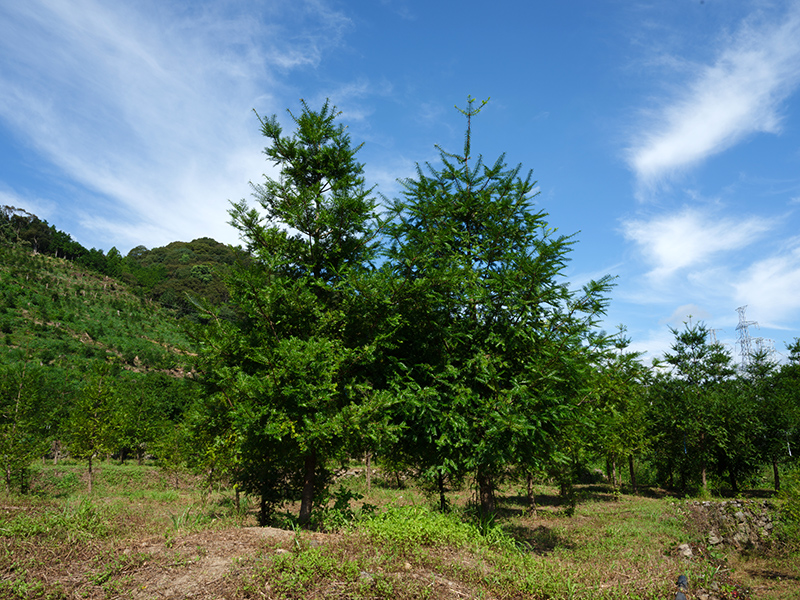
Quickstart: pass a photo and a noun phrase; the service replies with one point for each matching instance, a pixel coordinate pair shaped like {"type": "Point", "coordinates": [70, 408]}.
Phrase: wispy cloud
{"type": "Point", "coordinates": [149, 111]}
{"type": "Point", "coordinates": [690, 239]}
{"type": "Point", "coordinates": [772, 284]}
{"type": "Point", "coordinates": [721, 103]}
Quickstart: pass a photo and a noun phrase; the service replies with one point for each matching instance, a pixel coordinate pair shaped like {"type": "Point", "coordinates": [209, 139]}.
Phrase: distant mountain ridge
{"type": "Point", "coordinates": [168, 275]}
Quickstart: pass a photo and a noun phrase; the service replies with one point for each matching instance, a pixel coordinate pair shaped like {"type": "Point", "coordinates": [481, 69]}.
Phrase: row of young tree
{"type": "Point", "coordinates": [87, 415]}
{"type": "Point", "coordinates": [437, 333]}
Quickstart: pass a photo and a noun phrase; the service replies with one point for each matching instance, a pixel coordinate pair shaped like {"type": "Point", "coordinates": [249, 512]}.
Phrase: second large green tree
{"type": "Point", "coordinates": [495, 350]}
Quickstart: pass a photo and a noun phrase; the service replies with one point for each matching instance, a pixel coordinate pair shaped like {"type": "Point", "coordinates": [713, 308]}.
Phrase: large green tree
{"type": "Point", "coordinates": [495, 349]}
{"type": "Point", "coordinates": [289, 366]}
{"type": "Point", "coordinates": [92, 430]}
{"type": "Point", "coordinates": [777, 389]}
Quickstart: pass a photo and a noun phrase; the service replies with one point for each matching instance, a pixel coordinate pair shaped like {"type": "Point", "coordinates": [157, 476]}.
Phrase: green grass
{"type": "Point", "coordinates": [137, 532]}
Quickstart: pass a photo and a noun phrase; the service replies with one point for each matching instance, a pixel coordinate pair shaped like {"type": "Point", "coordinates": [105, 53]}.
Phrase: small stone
{"type": "Point", "coordinates": [407, 566]}
{"type": "Point", "coordinates": [685, 550]}
{"type": "Point", "coordinates": [741, 538]}
{"type": "Point", "coordinates": [714, 538]}
{"type": "Point", "coordinates": [282, 551]}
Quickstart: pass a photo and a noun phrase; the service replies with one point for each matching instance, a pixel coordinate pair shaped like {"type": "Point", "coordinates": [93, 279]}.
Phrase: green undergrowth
{"type": "Point", "coordinates": [74, 521]}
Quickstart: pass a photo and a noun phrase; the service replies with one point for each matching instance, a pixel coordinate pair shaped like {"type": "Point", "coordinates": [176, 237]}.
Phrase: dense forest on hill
{"type": "Point", "coordinates": [168, 275]}
{"type": "Point", "coordinates": [438, 341]}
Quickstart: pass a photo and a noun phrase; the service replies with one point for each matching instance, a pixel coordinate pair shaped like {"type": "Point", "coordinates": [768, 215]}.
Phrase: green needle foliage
{"type": "Point", "coordinates": [290, 365]}
{"type": "Point", "coordinates": [496, 348]}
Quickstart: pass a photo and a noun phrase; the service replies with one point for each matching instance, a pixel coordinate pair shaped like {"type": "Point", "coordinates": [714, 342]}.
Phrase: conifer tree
{"type": "Point", "coordinates": [24, 420]}
{"type": "Point", "coordinates": [687, 402]}
{"type": "Point", "coordinates": [495, 349]}
{"type": "Point", "coordinates": [289, 363]}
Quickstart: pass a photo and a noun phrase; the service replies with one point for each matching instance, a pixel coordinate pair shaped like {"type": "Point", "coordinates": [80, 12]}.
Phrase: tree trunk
{"type": "Point", "coordinates": [671, 475]}
{"type": "Point", "coordinates": [307, 497]}
{"type": "Point", "coordinates": [776, 476]}
{"type": "Point", "coordinates": [263, 517]}
{"type": "Point", "coordinates": [369, 472]}
{"type": "Point", "coordinates": [486, 492]}
{"type": "Point", "coordinates": [442, 497]}
{"type": "Point", "coordinates": [633, 474]}
{"type": "Point", "coordinates": [734, 481]}
{"type": "Point", "coordinates": [614, 478]}
{"type": "Point", "coordinates": [703, 462]}
{"type": "Point", "coordinates": [531, 498]}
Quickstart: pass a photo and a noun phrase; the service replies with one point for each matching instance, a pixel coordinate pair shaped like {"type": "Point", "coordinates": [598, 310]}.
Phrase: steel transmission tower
{"type": "Point", "coordinates": [746, 342]}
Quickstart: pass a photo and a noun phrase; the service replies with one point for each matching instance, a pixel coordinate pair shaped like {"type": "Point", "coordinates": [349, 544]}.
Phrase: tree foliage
{"type": "Point", "coordinates": [28, 420]}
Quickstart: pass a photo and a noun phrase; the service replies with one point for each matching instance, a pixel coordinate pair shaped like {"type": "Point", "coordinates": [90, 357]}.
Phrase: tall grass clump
{"type": "Point", "coordinates": [790, 509]}
{"type": "Point", "coordinates": [73, 522]}
{"type": "Point", "coordinates": [405, 527]}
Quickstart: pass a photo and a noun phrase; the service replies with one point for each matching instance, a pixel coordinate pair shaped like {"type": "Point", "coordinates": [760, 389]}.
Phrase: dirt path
{"type": "Point", "coordinates": [194, 565]}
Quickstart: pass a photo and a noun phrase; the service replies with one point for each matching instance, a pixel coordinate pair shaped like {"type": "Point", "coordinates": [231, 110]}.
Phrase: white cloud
{"type": "Point", "coordinates": [149, 109]}
{"type": "Point", "coordinates": [690, 238]}
{"type": "Point", "coordinates": [738, 95]}
{"type": "Point", "coordinates": [772, 285]}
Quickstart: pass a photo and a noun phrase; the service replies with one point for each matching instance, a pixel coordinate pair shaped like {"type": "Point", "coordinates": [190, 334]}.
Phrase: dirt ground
{"type": "Point", "coordinates": [192, 565]}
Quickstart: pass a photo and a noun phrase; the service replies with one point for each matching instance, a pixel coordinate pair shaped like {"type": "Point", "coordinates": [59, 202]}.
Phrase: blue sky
{"type": "Point", "coordinates": [666, 135]}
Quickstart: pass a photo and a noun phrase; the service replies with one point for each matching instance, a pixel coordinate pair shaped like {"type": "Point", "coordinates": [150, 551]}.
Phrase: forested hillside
{"type": "Point", "coordinates": [66, 328]}
{"type": "Point", "coordinates": [169, 275]}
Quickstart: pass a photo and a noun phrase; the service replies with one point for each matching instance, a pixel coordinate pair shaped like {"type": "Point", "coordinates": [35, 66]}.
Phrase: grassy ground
{"type": "Point", "coordinates": [140, 537]}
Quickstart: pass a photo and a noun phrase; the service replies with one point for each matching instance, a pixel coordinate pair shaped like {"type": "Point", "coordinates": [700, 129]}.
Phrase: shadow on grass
{"type": "Point", "coordinates": [756, 494]}
{"type": "Point", "coordinates": [539, 540]}
{"type": "Point", "coordinates": [517, 505]}
{"type": "Point", "coordinates": [512, 502]}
